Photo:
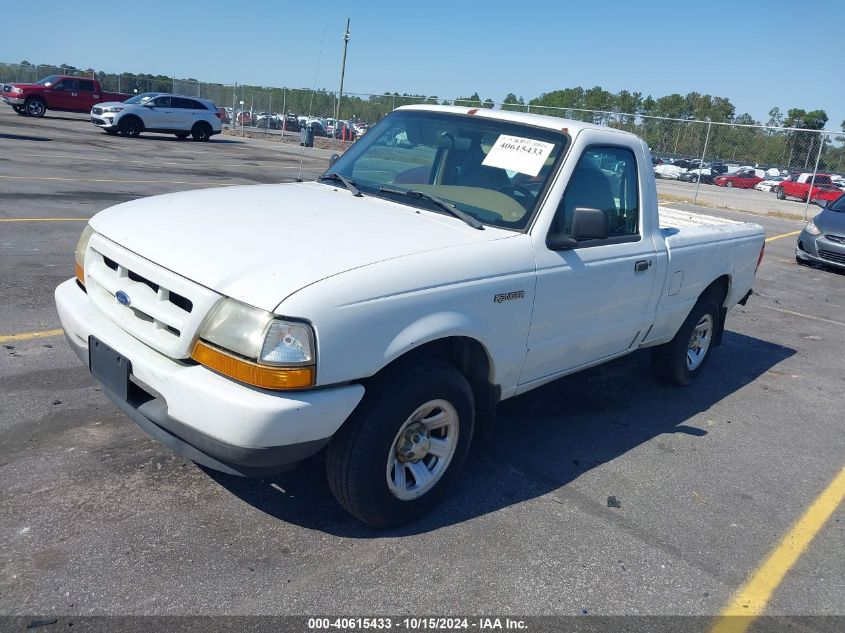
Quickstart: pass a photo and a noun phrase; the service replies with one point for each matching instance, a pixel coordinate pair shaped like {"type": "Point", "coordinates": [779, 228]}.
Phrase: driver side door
{"type": "Point", "coordinates": [159, 114]}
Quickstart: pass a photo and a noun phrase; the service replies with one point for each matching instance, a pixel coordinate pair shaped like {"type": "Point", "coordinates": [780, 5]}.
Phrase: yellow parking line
{"type": "Point", "coordinates": [27, 336]}
{"type": "Point", "coordinates": [44, 219]}
{"type": "Point", "coordinates": [751, 599]}
{"type": "Point", "coordinates": [150, 182]}
{"type": "Point", "coordinates": [781, 236]}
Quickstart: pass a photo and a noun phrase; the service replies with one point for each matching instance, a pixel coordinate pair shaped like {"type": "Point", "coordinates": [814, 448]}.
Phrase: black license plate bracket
{"type": "Point", "coordinates": [109, 367]}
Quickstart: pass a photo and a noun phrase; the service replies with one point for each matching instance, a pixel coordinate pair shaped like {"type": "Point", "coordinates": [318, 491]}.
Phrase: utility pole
{"type": "Point", "coordinates": [342, 73]}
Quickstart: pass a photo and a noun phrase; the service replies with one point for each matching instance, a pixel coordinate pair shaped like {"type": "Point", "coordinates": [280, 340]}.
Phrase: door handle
{"type": "Point", "coordinates": [641, 265]}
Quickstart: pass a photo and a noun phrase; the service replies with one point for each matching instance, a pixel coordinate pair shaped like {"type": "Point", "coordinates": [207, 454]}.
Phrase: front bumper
{"type": "Point", "coordinates": [821, 249]}
{"type": "Point", "coordinates": [13, 100]}
{"type": "Point", "coordinates": [105, 121]}
{"type": "Point", "coordinates": [202, 415]}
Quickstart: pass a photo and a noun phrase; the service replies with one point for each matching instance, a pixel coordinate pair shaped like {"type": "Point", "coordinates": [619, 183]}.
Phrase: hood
{"type": "Point", "coordinates": [261, 243]}
{"type": "Point", "coordinates": [14, 84]}
{"type": "Point", "coordinates": [829, 221]}
{"type": "Point", "coordinates": [106, 104]}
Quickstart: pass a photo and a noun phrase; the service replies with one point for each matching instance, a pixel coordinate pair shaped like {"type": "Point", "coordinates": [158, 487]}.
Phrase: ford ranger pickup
{"type": "Point", "coordinates": [452, 258]}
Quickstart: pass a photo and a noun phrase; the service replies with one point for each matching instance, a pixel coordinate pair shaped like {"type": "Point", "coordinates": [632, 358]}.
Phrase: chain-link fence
{"type": "Point", "coordinates": [689, 150]}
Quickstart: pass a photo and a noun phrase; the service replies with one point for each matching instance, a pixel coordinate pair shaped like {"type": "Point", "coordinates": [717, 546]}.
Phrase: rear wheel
{"type": "Point", "coordinates": [130, 126]}
{"type": "Point", "coordinates": [681, 360]}
{"type": "Point", "coordinates": [35, 106]}
{"type": "Point", "coordinates": [201, 131]}
{"type": "Point", "coordinates": [403, 447]}
{"type": "Point", "coordinates": [779, 193]}
{"type": "Point", "coordinates": [729, 184]}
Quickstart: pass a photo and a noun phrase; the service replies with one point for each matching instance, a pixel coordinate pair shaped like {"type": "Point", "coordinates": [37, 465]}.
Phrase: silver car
{"type": "Point", "coordinates": [823, 239]}
{"type": "Point", "coordinates": [161, 113]}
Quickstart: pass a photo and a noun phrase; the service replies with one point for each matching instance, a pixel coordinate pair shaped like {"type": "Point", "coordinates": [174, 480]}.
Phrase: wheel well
{"type": "Point", "coordinates": [719, 290]}
{"type": "Point", "coordinates": [135, 117]}
{"type": "Point", "coordinates": [469, 357]}
{"type": "Point", "coordinates": [202, 124]}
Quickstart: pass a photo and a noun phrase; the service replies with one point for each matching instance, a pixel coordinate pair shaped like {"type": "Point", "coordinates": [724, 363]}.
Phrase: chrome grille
{"type": "Point", "coordinates": [153, 304]}
{"type": "Point", "coordinates": [835, 238]}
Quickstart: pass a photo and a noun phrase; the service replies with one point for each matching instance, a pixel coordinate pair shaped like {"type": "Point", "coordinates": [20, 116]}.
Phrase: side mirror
{"type": "Point", "coordinates": [333, 159]}
{"type": "Point", "coordinates": [149, 104]}
{"type": "Point", "coordinates": [587, 224]}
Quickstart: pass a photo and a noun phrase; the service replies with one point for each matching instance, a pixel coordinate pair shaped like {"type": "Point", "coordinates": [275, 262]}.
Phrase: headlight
{"type": "Point", "coordinates": [812, 229]}
{"type": "Point", "coordinates": [113, 109]}
{"type": "Point", "coordinates": [274, 353]}
{"type": "Point", "coordinates": [81, 247]}
{"type": "Point", "coordinates": [17, 91]}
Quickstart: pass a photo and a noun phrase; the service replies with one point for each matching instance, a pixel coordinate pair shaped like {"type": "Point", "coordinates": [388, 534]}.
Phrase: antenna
{"type": "Point", "coordinates": [311, 102]}
{"type": "Point", "coordinates": [346, 35]}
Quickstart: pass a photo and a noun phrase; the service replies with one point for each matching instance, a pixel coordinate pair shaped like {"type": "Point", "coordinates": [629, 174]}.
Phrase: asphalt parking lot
{"type": "Point", "coordinates": [100, 519]}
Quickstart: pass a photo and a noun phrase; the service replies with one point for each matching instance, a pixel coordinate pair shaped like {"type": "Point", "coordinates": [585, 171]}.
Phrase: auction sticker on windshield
{"type": "Point", "coordinates": [516, 153]}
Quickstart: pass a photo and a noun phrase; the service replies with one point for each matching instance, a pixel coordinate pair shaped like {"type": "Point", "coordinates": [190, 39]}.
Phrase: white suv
{"type": "Point", "coordinates": [161, 113]}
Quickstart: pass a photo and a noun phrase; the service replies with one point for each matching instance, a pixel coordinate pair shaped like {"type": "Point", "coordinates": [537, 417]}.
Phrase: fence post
{"type": "Point", "coordinates": [813, 180]}
{"type": "Point", "coordinates": [234, 120]}
{"type": "Point", "coordinates": [701, 166]}
{"type": "Point", "coordinates": [394, 102]}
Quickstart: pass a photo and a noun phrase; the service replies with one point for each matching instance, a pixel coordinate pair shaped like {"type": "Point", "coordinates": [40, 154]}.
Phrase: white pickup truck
{"type": "Point", "coordinates": [452, 258]}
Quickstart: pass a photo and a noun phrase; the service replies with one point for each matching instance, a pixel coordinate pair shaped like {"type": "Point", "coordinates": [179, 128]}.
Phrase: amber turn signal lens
{"type": "Point", "coordinates": [278, 378]}
{"type": "Point", "coordinates": [80, 273]}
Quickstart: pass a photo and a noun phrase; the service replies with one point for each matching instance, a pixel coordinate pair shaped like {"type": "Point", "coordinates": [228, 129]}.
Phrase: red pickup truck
{"type": "Point", "coordinates": [57, 92]}
{"type": "Point", "coordinates": [823, 188]}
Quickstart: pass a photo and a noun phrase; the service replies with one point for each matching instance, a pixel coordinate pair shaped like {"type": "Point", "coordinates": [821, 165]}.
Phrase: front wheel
{"type": "Point", "coordinates": [681, 360]}
{"type": "Point", "coordinates": [403, 447]}
{"type": "Point", "coordinates": [19, 109]}
{"type": "Point", "coordinates": [729, 184]}
{"type": "Point", "coordinates": [201, 131]}
{"type": "Point", "coordinates": [779, 193]}
{"type": "Point", "coordinates": [130, 126]}
{"type": "Point", "coordinates": [35, 106]}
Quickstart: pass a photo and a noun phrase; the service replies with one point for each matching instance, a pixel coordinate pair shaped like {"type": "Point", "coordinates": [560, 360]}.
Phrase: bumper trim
{"type": "Point", "coordinates": [151, 415]}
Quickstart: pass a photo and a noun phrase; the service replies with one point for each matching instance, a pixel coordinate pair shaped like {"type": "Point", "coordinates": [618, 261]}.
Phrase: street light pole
{"type": "Point", "coordinates": [342, 73]}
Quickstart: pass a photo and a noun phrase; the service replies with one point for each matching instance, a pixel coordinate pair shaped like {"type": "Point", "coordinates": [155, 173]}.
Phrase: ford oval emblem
{"type": "Point", "coordinates": [122, 298]}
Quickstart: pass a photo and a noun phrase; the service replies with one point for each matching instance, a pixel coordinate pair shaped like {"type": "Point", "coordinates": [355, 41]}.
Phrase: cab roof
{"type": "Point", "coordinates": [569, 126]}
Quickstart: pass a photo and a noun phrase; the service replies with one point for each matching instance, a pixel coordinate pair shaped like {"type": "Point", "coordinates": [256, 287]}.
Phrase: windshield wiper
{"type": "Point", "coordinates": [349, 184]}
{"type": "Point", "coordinates": [446, 206]}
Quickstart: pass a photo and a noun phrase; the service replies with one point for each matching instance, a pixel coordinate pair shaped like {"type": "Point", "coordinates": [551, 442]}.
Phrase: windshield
{"type": "Point", "coordinates": [495, 171]}
{"type": "Point", "coordinates": [141, 98]}
{"type": "Point", "coordinates": [48, 81]}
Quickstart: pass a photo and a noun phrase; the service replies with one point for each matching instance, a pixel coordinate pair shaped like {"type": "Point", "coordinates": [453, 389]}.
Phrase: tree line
{"type": "Point", "coordinates": [673, 124]}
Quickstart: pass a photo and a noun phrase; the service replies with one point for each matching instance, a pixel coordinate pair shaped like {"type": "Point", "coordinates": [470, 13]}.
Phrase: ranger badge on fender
{"type": "Point", "coordinates": [509, 296]}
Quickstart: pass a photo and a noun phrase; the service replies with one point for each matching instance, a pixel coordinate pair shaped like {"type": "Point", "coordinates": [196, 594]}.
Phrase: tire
{"type": "Point", "coordinates": [729, 185]}
{"type": "Point", "coordinates": [369, 459]}
{"type": "Point", "coordinates": [201, 131]}
{"type": "Point", "coordinates": [20, 110]}
{"type": "Point", "coordinates": [779, 193]}
{"type": "Point", "coordinates": [800, 261]}
{"type": "Point", "coordinates": [182, 135]}
{"type": "Point", "coordinates": [111, 132]}
{"type": "Point", "coordinates": [35, 107]}
{"type": "Point", "coordinates": [672, 360]}
{"type": "Point", "coordinates": [130, 126]}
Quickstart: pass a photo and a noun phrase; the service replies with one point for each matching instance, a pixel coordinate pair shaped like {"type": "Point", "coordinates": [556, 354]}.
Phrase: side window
{"type": "Point", "coordinates": [85, 86]}
{"type": "Point", "coordinates": [162, 102]}
{"type": "Point", "coordinates": [195, 105]}
{"type": "Point", "coordinates": [605, 178]}
{"type": "Point", "coordinates": [179, 102]}
{"type": "Point", "coordinates": [65, 84]}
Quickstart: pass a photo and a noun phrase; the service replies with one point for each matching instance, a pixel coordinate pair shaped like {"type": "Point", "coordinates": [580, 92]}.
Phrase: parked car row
{"type": "Point", "coordinates": [782, 182]}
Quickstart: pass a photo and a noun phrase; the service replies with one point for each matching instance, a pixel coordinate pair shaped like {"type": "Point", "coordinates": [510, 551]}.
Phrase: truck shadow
{"type": "Point", "coordinates": [541, 441]}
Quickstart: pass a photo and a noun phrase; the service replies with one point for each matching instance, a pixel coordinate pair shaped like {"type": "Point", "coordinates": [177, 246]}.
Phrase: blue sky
{"type": "Point", "coordinates": [757, 53]}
